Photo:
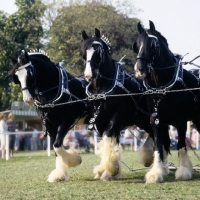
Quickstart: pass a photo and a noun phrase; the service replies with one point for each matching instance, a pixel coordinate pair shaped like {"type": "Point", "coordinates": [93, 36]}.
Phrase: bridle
{"type": "Point", "coordinates": [62, 85]}
{"type": "Point", "coordinates": [100, 51]}
{"type": "Point", "coordinates": [151, 62]}
{"type": "Point", "coordinates": [30, 68]}
{"type": "Point", "coordinates": [156, 53]}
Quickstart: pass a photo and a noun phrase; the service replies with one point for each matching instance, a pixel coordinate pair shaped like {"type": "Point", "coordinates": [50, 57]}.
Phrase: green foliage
{"type": "Point", "coordinates": [28, 29]}
{"type": "Point", "coordinates": [21, 30]}
{"type": "Point", "coordinates": [65, 33]}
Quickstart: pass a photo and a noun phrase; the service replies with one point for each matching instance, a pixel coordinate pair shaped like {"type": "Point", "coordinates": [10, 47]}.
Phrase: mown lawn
{"type": "Point", "coordinates": [24, 177]}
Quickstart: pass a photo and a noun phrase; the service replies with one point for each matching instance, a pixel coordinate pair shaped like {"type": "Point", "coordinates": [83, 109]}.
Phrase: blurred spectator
{"type": "Point", "coordinates": [129, 137]}
{"type": "Point", "coordinates": [17, 139]}
{"type": "Point", "coordinates": [3, 130]}
{"type": "Point", "coordinates": [174, 138]}
{"type": "Point", "coordinates": [11, 128]}
{"type": "Point", "coordinates": [70, 141]}
{"type": "Point", "coordinates": [28, 138]}
{"type": "Point", "coordinates": [34, 138]}
{"type": "Point", "coordinates": [193, 135]}
{"type": "Point", "coordinates": [79, 137]}
{"type": "Point", "coordinates": [21, 142]}
{"type": "Point", "coordinates": [145, 136]}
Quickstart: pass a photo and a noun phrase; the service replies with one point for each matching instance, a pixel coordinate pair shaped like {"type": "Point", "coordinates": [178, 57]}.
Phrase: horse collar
{"type": "Point", "coordinates": [62, 87]}
{"type": "Point", "coordinates": [178, 76]}
{"type": "Point", "coordinates": [118, 80]}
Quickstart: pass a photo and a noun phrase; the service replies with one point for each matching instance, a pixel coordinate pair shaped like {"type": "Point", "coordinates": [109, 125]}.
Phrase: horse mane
{"type": "Point", "coordinates": [160, 36]}
{"type": "Point", "coordinates": [40, 54]}
{"type": "Point", "coordinates": [106, 42]}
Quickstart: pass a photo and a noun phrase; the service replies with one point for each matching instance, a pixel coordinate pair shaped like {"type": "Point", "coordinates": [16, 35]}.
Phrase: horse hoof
{"type": "Point", "coordinates": [153, 179]}
{"type": "Point", "coordinates": [182, 173]}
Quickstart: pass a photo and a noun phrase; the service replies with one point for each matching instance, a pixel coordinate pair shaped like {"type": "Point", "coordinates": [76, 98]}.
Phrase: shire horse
{"type": "Point", "coordinates": [162, 73]}
{"type": "Point", "coordinates": [51, 88]}
{"type": "Point", "coordinates": [107, 77]}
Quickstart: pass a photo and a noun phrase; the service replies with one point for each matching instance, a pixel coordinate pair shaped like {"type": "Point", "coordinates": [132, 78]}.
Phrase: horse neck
{"type": "Point", "coordinates": [161, 77]}
{"type": "Point", "coordinates": [76, 86]}
{"type": "Point", "coordinates": [47, 77]}
{"type": "Point", "coordinates": [107, 76]}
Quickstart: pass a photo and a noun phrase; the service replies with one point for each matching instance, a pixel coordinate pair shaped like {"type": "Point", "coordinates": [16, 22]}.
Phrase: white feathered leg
{"type": "Point", "coordinates": [155, 175]}
{"type": "Point", "coordinates": [60, 173]}
{"type": "Point", "coordinates": [146, 152]}
{"type": "Point", "coordinates": [165, 163]}
{"type": "Point", "coordinates": [99, 169]}
{"type": "Point", "coordinates": [69, 157]}
{"type": "Point", "coordinates": [64, 160]}
{"type": "Point", "coordinates": [110, 166]}
{"type": "Point", "coordinates": [184, 172]}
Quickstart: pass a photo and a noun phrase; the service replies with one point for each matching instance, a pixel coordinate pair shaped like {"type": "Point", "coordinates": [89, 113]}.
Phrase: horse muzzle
{"type": "Point", "coordinates": [139, 73]}
{"type": "Point", "coordinates": [28, 99]}
{"type": "Point", "coordinates": [88, 78]}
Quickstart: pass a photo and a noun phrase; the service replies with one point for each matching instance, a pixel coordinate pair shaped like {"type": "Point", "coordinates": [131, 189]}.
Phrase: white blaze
{"type": "Point", "coordinates": [22, 76]}
{"type": "Point", "coordinates": [137, 72]}
{"type": "Point", "coordinates": [88, 70]}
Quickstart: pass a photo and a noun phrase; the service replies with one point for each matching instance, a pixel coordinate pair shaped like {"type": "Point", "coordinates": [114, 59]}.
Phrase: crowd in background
{"type": "Point", "coordinates": [30, 141]}
{"type": "Point", "coordinates": [79, 137]}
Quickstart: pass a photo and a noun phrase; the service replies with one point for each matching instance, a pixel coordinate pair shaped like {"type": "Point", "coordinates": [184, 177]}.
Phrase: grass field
{"type": "Point", "coordinates": [24, 177]}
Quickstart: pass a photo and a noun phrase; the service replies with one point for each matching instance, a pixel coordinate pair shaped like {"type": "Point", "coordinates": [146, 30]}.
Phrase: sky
{"type": "Point", "coordinates": [177, 20]}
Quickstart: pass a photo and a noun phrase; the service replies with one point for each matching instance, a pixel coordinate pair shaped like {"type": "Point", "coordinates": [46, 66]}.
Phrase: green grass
{"type": "Point", "coordinates": [25, 177]}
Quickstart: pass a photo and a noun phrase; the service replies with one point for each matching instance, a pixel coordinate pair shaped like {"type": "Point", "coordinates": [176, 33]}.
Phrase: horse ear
{"type": "Point", "coordinates": [152, 27]}
{"type": "Point", "coordinates": [84, 35]}
{"type": "Point", "coordinates": [26, 56]}
{"type": "Point", "coordinates": [140, 28]}
{"type": "Point", "coordinates": [97, 33]}
{"type": "Point", "coordinates": [13, 61]}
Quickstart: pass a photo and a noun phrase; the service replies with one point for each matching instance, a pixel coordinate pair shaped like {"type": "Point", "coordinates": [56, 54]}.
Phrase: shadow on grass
{"type": "Point", "coordinates": [139, 178]}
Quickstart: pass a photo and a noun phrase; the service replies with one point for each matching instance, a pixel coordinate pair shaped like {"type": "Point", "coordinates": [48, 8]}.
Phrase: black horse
{"type": "Point", "coordinates": [52, 89]}
{"type": "Point", "coordinates": [162, 73]}
{"type": "Point", "coordinates": [106, 78]}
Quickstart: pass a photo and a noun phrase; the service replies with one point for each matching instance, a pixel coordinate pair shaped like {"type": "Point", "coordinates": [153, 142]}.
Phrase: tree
{"type": "Point", "coordinates": [21, 30]}
{"type": "Point", "coordinates": [70, 20]}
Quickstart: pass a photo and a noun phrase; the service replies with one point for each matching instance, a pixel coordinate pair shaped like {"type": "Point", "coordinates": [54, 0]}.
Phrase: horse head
{"type": "Point", "coordinates": [152, 51]}
{"type": "Point", "coordinates": [22, 73]}
{"type": "Point", "coordinates": [94, 50]}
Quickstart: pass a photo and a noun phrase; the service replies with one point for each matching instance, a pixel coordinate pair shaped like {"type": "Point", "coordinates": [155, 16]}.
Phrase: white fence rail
{"type": "Point", "coordinates": [49, 141]}
{"type": "Point", "coordinates": [23, 133]}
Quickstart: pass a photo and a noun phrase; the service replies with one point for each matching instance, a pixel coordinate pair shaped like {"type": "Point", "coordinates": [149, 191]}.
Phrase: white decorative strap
{"type": "Point", "coordinates": [24, 66]}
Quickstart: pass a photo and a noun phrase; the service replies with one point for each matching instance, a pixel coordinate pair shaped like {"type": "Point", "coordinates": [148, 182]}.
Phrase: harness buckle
{"type": "Point", "coordinates": [150, 67]}
{"type": "Point", "coordinates": [52, 105]}
{"type": "Point", "coordinates": [149, 92]}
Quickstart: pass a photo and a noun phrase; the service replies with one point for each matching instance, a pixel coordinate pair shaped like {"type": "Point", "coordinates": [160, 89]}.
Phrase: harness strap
{"type": "Point", "coordinates": [118, 80]}
{"type": "Point", "coordinates": [62, 79]}
{"type": "Point", "coordinates": [24, 66]}
{"type": "Point", "coordinates": [178, 76]}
